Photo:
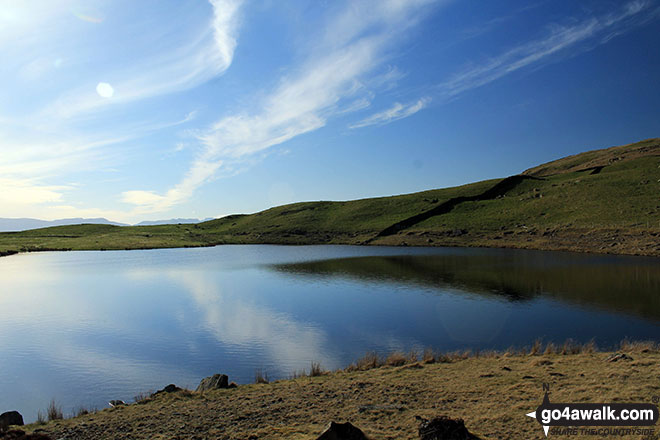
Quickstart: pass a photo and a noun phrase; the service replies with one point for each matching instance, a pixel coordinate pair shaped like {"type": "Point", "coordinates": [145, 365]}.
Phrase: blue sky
{"type": "Point", "coordinates": [192, 108]}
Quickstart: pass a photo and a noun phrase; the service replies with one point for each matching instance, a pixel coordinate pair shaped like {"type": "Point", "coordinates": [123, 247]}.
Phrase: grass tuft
{"type": "Point", "coordinates": [570, 347]}
{"type": "Point", "coordinates": [536, 348]}
{"type": "Point", "coordinates": [396, 359]}
{"type": "Point", "coordinates": [297, 374]}
{"type": "Point", "coordinates": [428, 357]}
{"type": "Point", "coordinates": [590, 347]}
{"type": "Point", "coordinates": [550, 348]}
{"type": "Point", "coordinates": [316, 370]}
{"type": "Point", "coordinates": [260, 376]}
{"type": "Point", "coordinates": [367, 362]}
{"type": "Point", "coordinates": [143, 396]}
{"type": "Point", "coordinates": [83, 411]}
{"type": "Point", "coordinates": [41, 418]}
{"type": "Point", "coordinates": [54, 411]}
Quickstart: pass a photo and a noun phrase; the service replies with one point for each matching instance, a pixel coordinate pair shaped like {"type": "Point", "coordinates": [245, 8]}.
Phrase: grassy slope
{"type": "Point", "coordinates": [492, 393]}
{"type": "Point", "coordinates": [565, 206]}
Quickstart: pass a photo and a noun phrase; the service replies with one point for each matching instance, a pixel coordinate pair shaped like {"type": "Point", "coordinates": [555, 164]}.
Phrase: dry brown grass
{"type": "Point", "coordinates": [396, 359]}
{"type": "Point", "coordinates": [491, 391]}
{"type": "Point", "coordinates": [367, 362]}
{"type": "Point", "coordinates": [428, 357]}
{"type": "Point", "coordinates": [550, 349]}
{"type": "Point", "coordinates": [54, 411]}
{"type": "Point", "coordinates": [570, 347]}
{"type": "Point", "coordinates": [316, 369]}
{"type": "Point", "coordinates": [590, 347]}
{"type": "Point", "coordinates": [640, 346]}
{"type": "Point", "coordinates": [142, 396]}
{"type": "Point", "coordinates": [261, 377]}
{"type": "Point", "coordinates": [536, 348]}
{"type": "Point", "coordinates": [41, 418]}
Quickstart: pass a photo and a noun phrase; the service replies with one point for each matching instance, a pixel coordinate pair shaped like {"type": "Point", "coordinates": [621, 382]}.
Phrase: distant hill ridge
{"type": "Point", "coordinates": [25, 224]}
{"type": "Point", "coordinates": [22, 224]}
{"type": "Point", "coordinates": [597, 158]}
{"type": "Point", "coordinates": [599, 201]}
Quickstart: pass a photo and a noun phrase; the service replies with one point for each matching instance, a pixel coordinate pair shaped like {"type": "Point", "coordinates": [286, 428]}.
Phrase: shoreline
{"type": "Point", "coordinates": [491, 391]}
{"type": "Point", "coordinates": [420, 240]}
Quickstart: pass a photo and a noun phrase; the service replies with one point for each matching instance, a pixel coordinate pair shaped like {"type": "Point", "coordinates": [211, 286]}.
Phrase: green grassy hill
{"type": "Point", "coordinates": [599, 201]}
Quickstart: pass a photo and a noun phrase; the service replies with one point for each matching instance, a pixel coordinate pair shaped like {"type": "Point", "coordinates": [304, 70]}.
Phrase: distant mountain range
{"type": "Point", "coordinates": [24, 224]}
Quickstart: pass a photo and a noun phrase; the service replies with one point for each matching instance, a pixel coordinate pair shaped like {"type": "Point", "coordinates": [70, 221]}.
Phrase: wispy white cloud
{"type": "Point", "coordinates": [354, 44]}
{"type": "Point", "coordinates": [343, 68]}
{"type": "Point", "coordinates": [328, 83]}
{"type": "Point", "coordinates": [147, 202]}
{"type": "Point", "coordinates": [579, 37]}
{"type": "Point", "coordinates": [193, 61]}
{"type": "Point", "coordinates": [41, 155]}
{"type": "Point", "coordinates": [225, 27]}
{"type": "Point", "coordinates": [23, 192]}
{"type": "Point", "coordinates": [60, 127]}
{"type": "Point", "coordinates": [394, 113]}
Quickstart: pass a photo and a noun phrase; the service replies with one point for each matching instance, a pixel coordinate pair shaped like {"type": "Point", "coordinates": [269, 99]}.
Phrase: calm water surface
{"type": "Point", "coordinates": [87, 327]}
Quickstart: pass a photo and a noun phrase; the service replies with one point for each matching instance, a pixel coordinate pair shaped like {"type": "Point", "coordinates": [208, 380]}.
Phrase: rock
{"type": "Point", "coordinates": [618, 357]}
{"type": "Point", "coordinates": [215, 382]}
{"type": "Point", "coordinates": [10, 418]}
{"type": "Point", "coordinates": [444, 428]}
{"type": "Point", "coordinates": [342, 431]}
{"type": "Point", "coordinates": [171, 388]}
{"type": "Point", "coordinates": [114, 403]}
{"type": "Point", "coordinates": [21, 435]}
{"type": "Point", "coordinates": [232, 385]}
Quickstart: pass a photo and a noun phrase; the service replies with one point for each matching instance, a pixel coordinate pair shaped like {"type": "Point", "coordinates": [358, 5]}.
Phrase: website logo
{"type": "Point", "coordinates": [590, 415]}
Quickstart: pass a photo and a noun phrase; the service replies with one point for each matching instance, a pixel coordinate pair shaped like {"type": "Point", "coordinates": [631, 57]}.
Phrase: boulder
{"type": "Point", "coordinates": [444, 428]}
{"type": "Point", "coordinates": [342, 431]}
{"type": "Point", "coordinates": [10, 418]}
{"type": "Point", "coordinates": [215, 382]}
{"type": "Point", "coordinates": [618, 357]}
{"type": "Point", "coordinates": [171, 388]}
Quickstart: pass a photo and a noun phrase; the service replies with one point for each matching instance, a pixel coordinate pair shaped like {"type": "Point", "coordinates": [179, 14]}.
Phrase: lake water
{"type": "Point", "coordinates": [87, 327]}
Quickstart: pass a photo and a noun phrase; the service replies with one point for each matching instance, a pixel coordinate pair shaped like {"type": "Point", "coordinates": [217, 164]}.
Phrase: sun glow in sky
{"type": "Point", "coordinates": [159, 109]}
{"type": "Point", "coordinates": [105, 90]}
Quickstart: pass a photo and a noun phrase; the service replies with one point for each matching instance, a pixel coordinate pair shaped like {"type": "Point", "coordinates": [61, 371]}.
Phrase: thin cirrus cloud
{"type": "Point", "coordinates": [590, 32]}
{"type": "Point", "coordinates": [580, 37]}
{"type": "Point", "coordinates": [353, 46]}
{"type": "Point", "coordinates": [334, 84]}
{"type": "Point", "coordinates": [62, 127]}
{"type": "Point", "coordinates": [192, 62]}
{"type": "Point", "coordinates": [344, 71]}
{"type": "Point", "coordinates": [26, 192]}
{"type": "Point", "coordinates": [394, 113]}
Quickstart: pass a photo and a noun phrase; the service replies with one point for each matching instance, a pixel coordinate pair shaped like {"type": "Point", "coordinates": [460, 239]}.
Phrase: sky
{"type": "Point", "coordinates": [203, 108]}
